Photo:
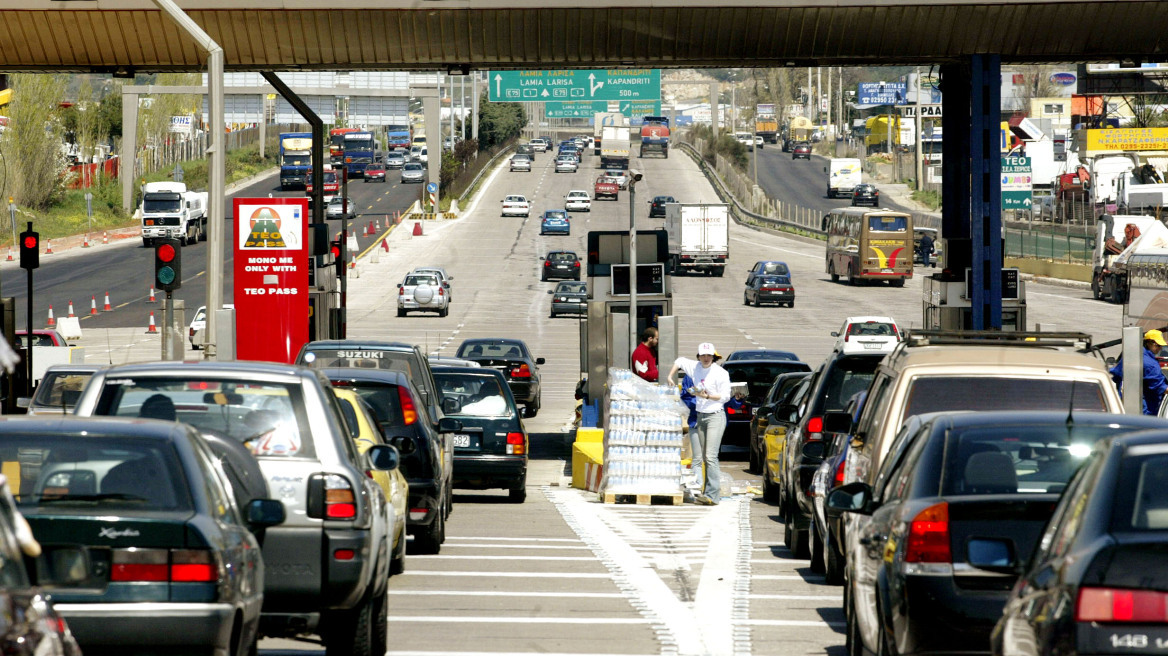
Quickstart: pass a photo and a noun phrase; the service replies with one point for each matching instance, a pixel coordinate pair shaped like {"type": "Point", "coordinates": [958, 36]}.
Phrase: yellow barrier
{"type": "Point", "coordinates": [588, 459]}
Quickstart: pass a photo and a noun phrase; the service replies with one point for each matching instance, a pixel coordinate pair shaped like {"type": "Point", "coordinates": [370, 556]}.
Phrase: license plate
{"type": "Point", "coordinates": [872, 345]}
{"type": "Point", "coordinates": [886, 271]}
{"type": "Point", "coordinates": [461, 439]}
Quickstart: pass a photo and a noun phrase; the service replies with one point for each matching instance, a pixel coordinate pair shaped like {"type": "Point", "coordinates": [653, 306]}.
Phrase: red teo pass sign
{"type": "Point", "coordinates": [271, 278]}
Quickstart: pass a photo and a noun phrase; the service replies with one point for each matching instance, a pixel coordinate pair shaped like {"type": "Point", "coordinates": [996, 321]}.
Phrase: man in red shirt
{"type": "Point", "coordinates": [645, 355]}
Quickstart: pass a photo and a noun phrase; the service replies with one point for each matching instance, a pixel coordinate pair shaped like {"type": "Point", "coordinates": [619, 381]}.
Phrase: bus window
{"type": "Point", "coordinates": [888, 223]}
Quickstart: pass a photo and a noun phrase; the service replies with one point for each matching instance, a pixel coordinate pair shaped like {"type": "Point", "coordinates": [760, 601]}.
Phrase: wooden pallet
{"type": "Point", "coordinates": [668, 499]}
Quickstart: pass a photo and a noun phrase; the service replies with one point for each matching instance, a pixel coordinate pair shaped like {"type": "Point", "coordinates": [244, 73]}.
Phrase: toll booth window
{"type": "Point", "coordinates": [888, 223]}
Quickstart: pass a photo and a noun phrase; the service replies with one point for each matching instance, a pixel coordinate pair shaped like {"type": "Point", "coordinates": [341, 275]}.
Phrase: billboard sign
{"type": "Point", "coordinates": [271, 278]}
{"type": "Point", "coordinates": [882, 93]}
{"type": "Point", "coordinates": [1017, 183]}
{"type": "Point", "coordinates": [765, 111]}
{"type": "Point", "coordinates": [589, 108]}
{"type": "Point", "coordinates": [182, 124]}
{"type": "Point", "coordinates": [1128, 139]}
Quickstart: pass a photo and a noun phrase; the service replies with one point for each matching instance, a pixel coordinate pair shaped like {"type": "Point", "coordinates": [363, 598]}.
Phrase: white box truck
{"type": "Point", "coordinates": [614, 149]}
{"type": "Point", "coordinates": [602, 120]}
{"type": "Point", "coordinates": [699, 237]}
{"type": "Point", "coordinates": [843, 174]}
{"type": "Point", "coordinates": [170, 211]}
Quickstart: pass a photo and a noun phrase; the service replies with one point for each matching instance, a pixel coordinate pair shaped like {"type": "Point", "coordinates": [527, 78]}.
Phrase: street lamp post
{"type": "Point", "coordinates": [633, 178]}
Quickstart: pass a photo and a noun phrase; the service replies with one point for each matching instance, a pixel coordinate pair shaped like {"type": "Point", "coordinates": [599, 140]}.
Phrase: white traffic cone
{"type": "Point", "coordinates": [107, 307]}
{"type": "Point", "coordinates": [52, 321]}
{"type": "Point", "coordinates": [151, 328]}
{"type": "Point", "coordinates": [71, 315]}
{"type": "Point", "coordinates": [92, 305]}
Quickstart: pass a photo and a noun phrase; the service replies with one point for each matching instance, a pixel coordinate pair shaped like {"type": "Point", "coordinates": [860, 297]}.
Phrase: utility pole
{"type": "Point", "coordinates": [474, 103]}
{"type": "Point", "coordinates": [920, 135]}
{"type": "Point", "coordinates": [830, 130]}
{"type": "Point", "coordinates": [818, 91]}
{"type": "Point", "coordinates": [809, 94]}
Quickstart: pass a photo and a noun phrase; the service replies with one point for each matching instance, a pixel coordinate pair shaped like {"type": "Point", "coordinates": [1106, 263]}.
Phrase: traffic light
{"type": "Point", "coordinates": [335, 249]}
{"type": "Point", "coordinates": [30, 249]}
{"type": "Point", "coordinates": [167, 264]}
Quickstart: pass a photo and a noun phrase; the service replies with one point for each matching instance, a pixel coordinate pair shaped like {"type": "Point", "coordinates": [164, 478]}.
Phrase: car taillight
{"type": "Point", "coordinates": [547, 263]}
{"type": "Point", "coordinates": [576, 264]}
{"type": "Point", "coordinates": [1119, 605]}
{"type": "Point", "coordinates": [522, 371]}
{"type": "Point", "coordinates": [339, 501]}
{"type": "Point", "coordinates": [928, 536]}
{"type": "Point", "coordinates": [516, 444]}
{"type": "Point", "coordinates": [193, 566]}
{"type": "Point", "coordinates": [409, 410]}
{"type": "Point", "coordinates": [814, 429]}
{"type": "Point", "coordinates": [139, 565]}
{"type": "Point", "coordinates": [839, 473]}
{"type": "Point", "coordinates": [441, 292]}
{"type": "Point", "coordinates": [135, 565]}
{"type": "Point", "coordinates": [770, 289]}
{"type": "Point", "coordinates": [401, 291]}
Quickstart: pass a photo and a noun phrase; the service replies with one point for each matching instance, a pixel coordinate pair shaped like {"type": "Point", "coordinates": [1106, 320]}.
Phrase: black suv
{"type": "Point", "coordinates": [657, 205]}
{"type": "Point", "coordinates": [560, 265]}
{"type": "Point", "coordinates": [832, 386]}
{"type": "Point", "coordinates": [866, 194]}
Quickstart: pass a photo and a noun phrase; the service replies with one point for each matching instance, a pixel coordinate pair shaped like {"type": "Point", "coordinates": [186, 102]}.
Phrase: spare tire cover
{"type": "Point", "coordinates": [423, 293]}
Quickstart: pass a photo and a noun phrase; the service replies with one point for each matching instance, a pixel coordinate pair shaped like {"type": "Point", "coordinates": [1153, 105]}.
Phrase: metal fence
{"type": "Point", "coordinates": [167, 153]}
{"type": "Point", "coordinates": [1071, 246]}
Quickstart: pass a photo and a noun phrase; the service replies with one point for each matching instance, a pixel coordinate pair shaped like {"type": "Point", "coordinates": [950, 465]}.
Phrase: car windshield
{"type": "Point", "coordinates": [561, 257]}
{"type": "Point", "coordinates": [572, 288]}
{"type": "Point", "coordinates": [988, 393]}
{"type": "Point", "coordinates": [412, 281]}
{"type": "Point", "coordinates": [1016, 459]}
{"type": "Point", "coordinates": [413, 166]}
{"type": "Point", "coordinates": [846, 377]}
{"type": "Point", "coordinates": [872, 329]}
{"type": "Point", "coordinates": [94, 473]}
{"type": "Point", "coordinates": [777, 268]}
{"type": "Point", "coordinates": [762, 355]}
{"type": "Point", "coordinates": [578, 195]}
{"type": "Point", "coordinates": [515, 199]}
{"type": "Point", "coordinates": [492, 350]}
{"type": "Point", "coordinates": [383, 398]}
{"type": "Point", "coordinates": [1142, 498]}
{"type": "Point", "coordinates": [771, 280]}
{"type": "Point", "coordinates": [555, 214]}
{"type": "Point", "coordinates": [359, 358]}
{"type": "Point", "coordinates": [60, 390]}
{"type": "Point", "coordinates": [759, 377]}
{"type": "Point", "coordinates": [268, 418]}
{"type": "Point", "coordinates": [480, 395]}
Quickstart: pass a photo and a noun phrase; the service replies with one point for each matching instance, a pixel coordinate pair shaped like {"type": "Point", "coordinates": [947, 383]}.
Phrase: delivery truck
{"type": "Point", "coordinates": [766, 123]}
{"type": "Point", "coordinates": [698, 236]}
{"type": "Point", "coordinates": [843, 174]}
{"type": "Point", "coordinates": [614, 150]}
{"type": "Point", "coordinates": [601, 120]}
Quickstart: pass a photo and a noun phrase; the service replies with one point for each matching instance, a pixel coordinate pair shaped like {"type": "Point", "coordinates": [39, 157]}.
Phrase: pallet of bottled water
{"type": "Point", "coordinates": [642, 440]}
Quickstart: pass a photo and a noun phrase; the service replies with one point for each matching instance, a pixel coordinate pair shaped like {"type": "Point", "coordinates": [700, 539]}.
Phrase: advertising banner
{"type": "Point", "coordinates": [1017, 183]}
{"type": "Point", "coordinates": [1128, 139]}
{"type": "Point", "coordinates": [271, 278]}
{"type": "Point", "coordinates": [882, 93]}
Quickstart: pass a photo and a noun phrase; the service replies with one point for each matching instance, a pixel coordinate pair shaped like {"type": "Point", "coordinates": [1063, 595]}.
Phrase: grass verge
{"type": "Point", "coordinates": [928, 197]}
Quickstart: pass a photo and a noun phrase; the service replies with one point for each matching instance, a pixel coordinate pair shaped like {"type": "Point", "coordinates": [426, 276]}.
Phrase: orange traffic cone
{"type": "Point", "coordinates": [71, 315]}
{"type": "Point", "coordinates": [106, 307]}
{"type": "Point", "coordinates": [152, 299]}
{"type": "Point", "coordinates": [52, 321]}
{"type": "Point", "coordinates": [417, 228]}
{"type": "Point", "coordinates": [105, 237]}
{"type": "Point", "coordinates": [92, 305]}
{"type": "Point", "coordinates": [377, 225]}
{"type": "Point", "coordinates": [370, 228]}
{"type": "Point", "coordinates": [384, 244]}
{"type": "Point", "coordinates": [151, 328]}
{"type": "Point", "coordinates": [48, 246]}
{"type": "Point", "coordinates": [10, 255]}
{"type": "Point", "coordinates": [85, 244]}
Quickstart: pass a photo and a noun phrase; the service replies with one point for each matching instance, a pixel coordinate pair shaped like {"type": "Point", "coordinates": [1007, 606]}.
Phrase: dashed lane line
{"type": "Point", "coordinates": [504, 593]}
{"type": "Point", "coordinates": [454, 619]}
{"type": "Point", "coordinates": [516, 575]}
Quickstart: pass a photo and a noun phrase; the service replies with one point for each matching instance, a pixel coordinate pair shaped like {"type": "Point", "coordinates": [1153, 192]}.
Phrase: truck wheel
{"type": "Point", "coordinates": [719, 270]}
{"type": "Point", "coordinates": [203, 230]}
{"type": "Point", "coordinates": [145, 243]}
{"type": "Point", "coordinates": [429, 541]}
{"type": "Point", "coordinates": [831, 272]}
{"type": "Point", "coordinates": [1095, 291]}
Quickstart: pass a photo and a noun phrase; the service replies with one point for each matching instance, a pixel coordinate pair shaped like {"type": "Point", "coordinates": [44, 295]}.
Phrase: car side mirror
{"type": "Point", "coordinates": [451, 406]}
{"type": "Point", "coordinates": [853, 497]}
{"type": "Point", "coordinates": [262, 513]}
{"type": "Point", "coordinates": [399, 285]}
{"type": "Point", "coordinates": [994, 555]}
{"type": "Point", "coordinates": [837, 422]}
{"type": "Point", "coordinates": [539, 361]}
{"type": "Point", "coordinates": [814, 450]}
{"type": "Point", "coordinates": [788, 412]}
{"type": "Point", "coordinates": [449, 425]}
{"type": "Point", "coordinates": [383, 457]}
{"type": "Point", "coordinates": [551, 291]}
{"type": "Point", "coordinates": [834, 334]}
{"type": "Point", "coordinates": [24, 401]}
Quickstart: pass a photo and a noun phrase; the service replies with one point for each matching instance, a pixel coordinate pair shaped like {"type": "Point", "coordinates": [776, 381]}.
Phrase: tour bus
{"type": "Point", "coordinates": [869, 244]}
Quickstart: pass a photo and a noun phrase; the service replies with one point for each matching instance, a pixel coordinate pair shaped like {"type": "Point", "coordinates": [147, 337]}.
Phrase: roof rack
{"type": "Point", "coordinates": [1078, 341]}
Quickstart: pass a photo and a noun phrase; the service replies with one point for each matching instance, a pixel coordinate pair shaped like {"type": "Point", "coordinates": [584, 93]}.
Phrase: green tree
{"type": "Point", "coordinates": [33, 157]}
{"type": "Point", "coordinates": [499, 122]}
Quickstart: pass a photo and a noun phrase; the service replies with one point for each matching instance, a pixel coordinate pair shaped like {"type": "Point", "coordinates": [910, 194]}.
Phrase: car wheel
{"type": "Point", "coordinates": [816, 550]}
{"type": "Point", "coordinates": [518, 494]}
{"type": "Point", "coordinates": [429, 541]}
{"type": "Point", "coordinates": [352, 632]}
{"type": "Point", "coordinates": [852, 643]}
{"type": "Point", "coordinates": [444, 311]}
{"type": "Point", "coordinates": [833, 564]}
{"type": "Point", "coordinates": [757, 301]}
{"type": "Point", "coordinates": [752, 460]}
{"type": "Point", "coordinates": [745, 300]}
{"type": "Point", "coordinates": [530, 411]}
{"type": "Point", "coordinates": [788, 532]}
{"type": "Point", "coordinates": [770, 491]}
{"type": "Point", "coordinates": [401, 312]}
{"type": "Point", "coordinates": [398, 564]}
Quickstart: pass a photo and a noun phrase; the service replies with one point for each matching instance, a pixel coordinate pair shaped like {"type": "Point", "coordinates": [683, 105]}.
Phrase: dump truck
{"type": "Point", "coordinates": [766, 124]}
{"type": "Point", "coordinates": [655, 136]}
{"type": "Point", "coordinates": [1114, 235]}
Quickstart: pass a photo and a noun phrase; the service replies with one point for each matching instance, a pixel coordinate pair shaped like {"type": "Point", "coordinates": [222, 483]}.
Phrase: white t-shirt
{"type": "Point", "coordinates": [714, 380]}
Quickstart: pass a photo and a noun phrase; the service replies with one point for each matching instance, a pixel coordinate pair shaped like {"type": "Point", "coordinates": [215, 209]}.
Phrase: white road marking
{"type": "Point", "coordinates": [787, 577]}
{"type": "Point", "coordinates": [502, 593]}
{"type": "Point", "coordinates": [776, 248]}
{"type": "Point", "coordinates": [476, 557]}
{"type": "Point", "coordinates": [450, 619]}
{"type": "Point", "coordinates": [520, 575]}
{"type": "Point", "coordinates": [811, 623]}
{"type": "Point", "coordinates": [495, 653]}
{"type": "Point", "coordinates": [452, 538]}
{"type": "Point", "coordinates": [788, 597]}
{"type": "Point", "coordinates": [449, 544]}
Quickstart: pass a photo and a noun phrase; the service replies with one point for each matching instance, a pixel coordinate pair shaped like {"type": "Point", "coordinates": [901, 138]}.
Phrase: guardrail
{"type": "Point", "coordinates": [486, 167]}
{"type": "Point", "coordinates": [805, 220]}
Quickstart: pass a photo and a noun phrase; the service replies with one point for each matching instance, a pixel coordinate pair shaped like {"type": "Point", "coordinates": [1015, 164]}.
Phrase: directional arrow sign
{"type": "Point", "coordinates": [1017, 183]}
{"type": "Point", "coordinates": [588, 109]}
{"type": "Point", "coordinates": [616, 84]}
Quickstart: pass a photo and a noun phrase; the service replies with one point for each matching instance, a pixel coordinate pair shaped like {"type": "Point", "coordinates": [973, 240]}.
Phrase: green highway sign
{"type": "Point", "coordinates": [588, 108]}
{"type": "Point", "coordinates": [1017, 184]}
{"type": "Point", "coordinates": [536, 86]}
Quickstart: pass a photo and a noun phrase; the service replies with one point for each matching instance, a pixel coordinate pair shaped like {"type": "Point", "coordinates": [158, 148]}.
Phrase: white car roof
{"type": "Point", "coordinates": [870, 319]}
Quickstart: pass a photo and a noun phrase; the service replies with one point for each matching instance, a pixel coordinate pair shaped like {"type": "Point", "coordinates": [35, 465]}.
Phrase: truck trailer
{"type": "Point", "coordinates": [766, 124]}
{"type": "Point", "coordinates": [614, 151]}
{"type": "Point", "coordinates": [170, 211]}
{"type": "Point", "coordinates": [698, 236]}
{"type": "Point", "coordinates": [655, 136]}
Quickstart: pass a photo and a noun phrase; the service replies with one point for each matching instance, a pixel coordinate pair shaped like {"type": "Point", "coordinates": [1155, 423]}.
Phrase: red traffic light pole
{"type": "Point", "coordinates": [29, 260]}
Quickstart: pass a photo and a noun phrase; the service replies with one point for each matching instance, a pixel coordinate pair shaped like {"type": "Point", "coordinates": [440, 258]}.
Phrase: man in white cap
{"type": "Point", "coordinates": [711, 391]}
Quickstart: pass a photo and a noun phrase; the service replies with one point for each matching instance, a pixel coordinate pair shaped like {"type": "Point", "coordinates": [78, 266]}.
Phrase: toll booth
{"type": "Point", "coordinates": [947, 302]}
{"type": "Point", "coordinates": [604, 334]}
{"type": "Point", "coordinates": [324, 290]}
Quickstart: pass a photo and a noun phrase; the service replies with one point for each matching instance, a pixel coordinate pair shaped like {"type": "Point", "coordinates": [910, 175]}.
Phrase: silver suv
{"type": "Point", "coordinates": [327, 566]}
